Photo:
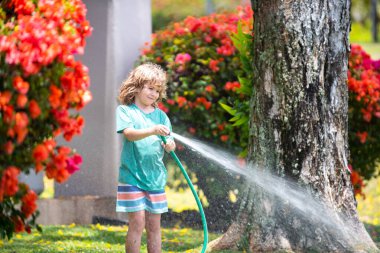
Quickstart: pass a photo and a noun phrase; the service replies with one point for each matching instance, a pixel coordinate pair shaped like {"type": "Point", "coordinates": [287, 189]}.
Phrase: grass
{"type": "Point", "coordinates": [368, 207]}
{"type": "Point", "coordinates": [361, 34]}
{"type": "Point", "coordinates": [373, 49]}
{"type": "Point", "coordinates": [97, 239]}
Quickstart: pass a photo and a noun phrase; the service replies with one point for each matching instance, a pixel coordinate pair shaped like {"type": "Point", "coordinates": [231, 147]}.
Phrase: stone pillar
{"type": "Point", "coordinates": [121, 27]}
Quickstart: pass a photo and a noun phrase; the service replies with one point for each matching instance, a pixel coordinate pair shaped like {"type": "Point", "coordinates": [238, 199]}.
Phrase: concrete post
{"type": "Point", "coordinates": [121, 27]}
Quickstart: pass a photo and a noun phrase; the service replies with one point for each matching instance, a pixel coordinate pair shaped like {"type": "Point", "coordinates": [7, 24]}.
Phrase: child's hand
{"type": "Point", "coordinates": [161, 130]}
{"type": "Point", "coordinates": [169, 146]}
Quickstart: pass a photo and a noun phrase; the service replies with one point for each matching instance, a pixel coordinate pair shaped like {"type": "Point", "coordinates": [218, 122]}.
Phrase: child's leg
{"type": "Point", "coordinates": [153, 230]}
{"type": "Point", "coordinates": [135, 229]}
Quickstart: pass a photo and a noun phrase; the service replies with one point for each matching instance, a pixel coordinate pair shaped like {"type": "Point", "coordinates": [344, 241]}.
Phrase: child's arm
{"type": "Point", "coordinates": [137, 134]}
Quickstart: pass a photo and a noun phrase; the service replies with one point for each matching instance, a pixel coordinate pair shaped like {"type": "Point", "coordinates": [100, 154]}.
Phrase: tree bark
{"type": "Point", "coordinates": [298, 129]}
{"type": "Point", "coordinates": [374, 20]}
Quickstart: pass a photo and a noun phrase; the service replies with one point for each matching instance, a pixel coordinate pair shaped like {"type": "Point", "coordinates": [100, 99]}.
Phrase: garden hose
{"type": "Point", "coordinates": [204, 223]}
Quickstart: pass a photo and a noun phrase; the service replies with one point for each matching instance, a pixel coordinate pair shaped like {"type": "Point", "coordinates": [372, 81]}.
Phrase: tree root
{"type": "Point", "coordinates": [228, 240]}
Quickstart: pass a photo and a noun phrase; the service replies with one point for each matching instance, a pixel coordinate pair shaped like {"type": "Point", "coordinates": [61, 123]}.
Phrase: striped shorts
{"type": "Point", "coordinates": [132, 199]}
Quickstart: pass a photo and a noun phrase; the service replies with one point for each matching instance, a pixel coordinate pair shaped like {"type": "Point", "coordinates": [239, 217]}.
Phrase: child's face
{"type": "Point", "coordinates": [148, 95]}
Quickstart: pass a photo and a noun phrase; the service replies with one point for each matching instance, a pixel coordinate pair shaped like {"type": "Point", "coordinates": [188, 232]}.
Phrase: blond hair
{"type": "Point", "coordinates": [145, 74]}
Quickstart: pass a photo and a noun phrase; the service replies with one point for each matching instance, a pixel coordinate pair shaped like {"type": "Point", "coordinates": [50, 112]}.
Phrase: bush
{"type": "Point", "coordinates": [202, 65]}
{"type": "Point", "coordinates": [204, 69]}
{"type": "Point", "coordinates": [42, 88]}
{"type": "Point", "coordinates": [201, 62]}
{"type": "Point", "coordinates": [364, 114]}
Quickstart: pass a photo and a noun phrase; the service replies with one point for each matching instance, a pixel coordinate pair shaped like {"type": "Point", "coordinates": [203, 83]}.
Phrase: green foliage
{"type": "Point", "coordinates": [244, 44]}
{"type": "Point", "coordinates": [203, 68]}
{"type": "Point", "coordinates": [200, 59]}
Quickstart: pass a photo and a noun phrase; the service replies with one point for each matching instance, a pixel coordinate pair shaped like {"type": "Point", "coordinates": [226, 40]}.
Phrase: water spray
{"type": "Point", "coordinates": [199, 204]}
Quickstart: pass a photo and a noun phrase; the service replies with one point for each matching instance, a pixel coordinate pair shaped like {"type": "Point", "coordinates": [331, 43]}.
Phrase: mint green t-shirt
{"type": "Point", "coordinates": [141, 162]}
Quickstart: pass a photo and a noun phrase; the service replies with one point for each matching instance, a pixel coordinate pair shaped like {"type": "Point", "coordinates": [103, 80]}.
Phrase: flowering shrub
{"type": "Point", "coordinates": [364, 114]}
{"type": "Point", "coordinates": [42, 87]}
{"type": "Point", "coordinates": [200, 59]}
{"type": "Point", "coordinates": [204, 68]}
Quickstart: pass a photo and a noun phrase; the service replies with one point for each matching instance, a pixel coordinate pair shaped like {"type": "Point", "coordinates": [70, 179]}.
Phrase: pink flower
{"type": "Point", "coordinates": [73, 163]}
{"type": "Point", "coordinates": [182, 58]}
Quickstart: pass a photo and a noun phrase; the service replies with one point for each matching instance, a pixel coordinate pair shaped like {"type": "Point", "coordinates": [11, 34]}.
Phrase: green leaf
{"type": "Point", "coordinates": [241, 121]}
{"type": "Point", "coordinates": [236, 118]}
{"type": "Point", "coordinates": [227, 108]}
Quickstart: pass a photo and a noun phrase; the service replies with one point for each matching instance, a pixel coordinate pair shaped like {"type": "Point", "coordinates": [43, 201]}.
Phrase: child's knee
{"type": "Point", "coordinates": [137, 223]}
{"type": "Point", "coordinates": [153, 227]}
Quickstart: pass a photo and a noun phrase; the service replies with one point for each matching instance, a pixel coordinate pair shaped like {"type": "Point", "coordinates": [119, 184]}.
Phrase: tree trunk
{"type": "Point", "coordinates": [374, 20]}
{"type": "Point", "coordinates": [298, 130]}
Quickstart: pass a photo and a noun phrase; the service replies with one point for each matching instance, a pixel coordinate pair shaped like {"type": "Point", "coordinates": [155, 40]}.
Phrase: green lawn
{"type": "Point", "coordinates": [373, 49]}
{"type": "Point", "coordinates": [361, 34]}
{"type": "Point", "coordinates": [99, 239]}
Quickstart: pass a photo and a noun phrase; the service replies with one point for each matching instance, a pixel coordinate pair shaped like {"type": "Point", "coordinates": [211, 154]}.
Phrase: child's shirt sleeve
{"type": "Point", "coordinates": [123, 120]}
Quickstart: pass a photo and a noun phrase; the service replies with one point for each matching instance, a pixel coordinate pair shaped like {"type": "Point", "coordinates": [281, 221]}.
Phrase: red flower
{"type": "Point", "coordinates": [221, 126]}
{"type": "Point", "coordinates": [24, 7]}
{"type": "Point", "coordinates": [163, 107]}
{"type": "Point", "coordinates": [224, 138]}
{"type": "Point", "coordinates": [362, 136]}
{"type": "Point", "coordinates": [357, 182]}
{"type": "Point", "coordinates": [5, 97]}
{"type": "Point", "coordinates": [9, 147]}
{"type": "Point", "coordinates": [181, 101]}
{"type": "Point", "coordinates": [40, 153]}
{"type": "Point", "coordinates": [29, 206]}
{"type": "Point", "coordinates": [38, 167]}
{"type": "Point", "coordinates": [50, 144]}
{"type": "Point", "coordinates": [9, 182]}
{"type": "Point", "coordinates": [55, 96]}
{"type": "Point", "coordinates": [62, 175]}
{"type": "Point", "coordinates": [170, 101]}
{"type": "Point", "coordinates": [204, 101]}
{"type": "Point", "coordinates": [34, 109]}
{"type": "Point", "coordinates": [50, 171]}
{"type": "Point", "coordinates": [192, 130]}
{"type": "Point", "coordinates": [21, 100]}
{"type": "Point", "coordinates": [20, 85]}
{"type": "Point", "coordinates": [19, 224]}
{"type": "Point", "coordinates": [213, 65]}
{"type": "Point", "coordinates": [20, 127]}
{"type": "Point", "coordinates": [209, 88]}
{"type": "Point", "coordinates": [9, 114]}
{"type": "Point", "coordinates": [232, 86]}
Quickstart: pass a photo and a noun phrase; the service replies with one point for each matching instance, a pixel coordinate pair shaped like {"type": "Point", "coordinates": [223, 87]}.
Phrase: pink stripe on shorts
{"type": "Point", "coordinates": [132, 199]}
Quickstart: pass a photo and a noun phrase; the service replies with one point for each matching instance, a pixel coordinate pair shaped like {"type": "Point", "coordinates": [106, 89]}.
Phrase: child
{"type": "Point", "coordinates": [142, 173]}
